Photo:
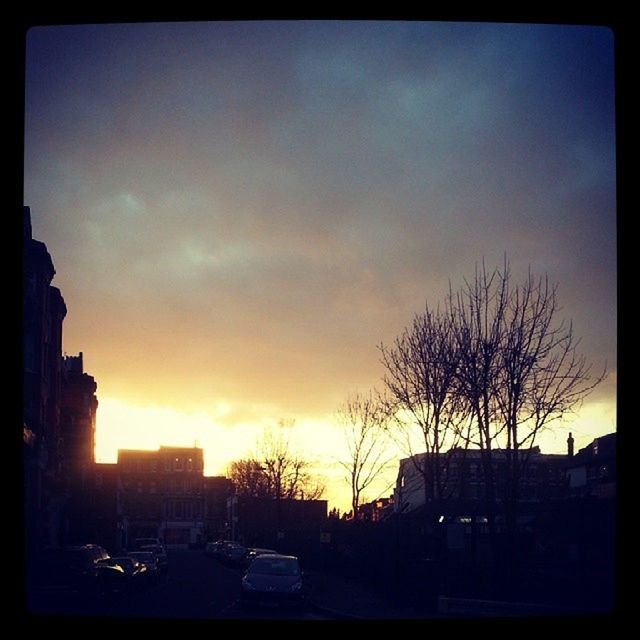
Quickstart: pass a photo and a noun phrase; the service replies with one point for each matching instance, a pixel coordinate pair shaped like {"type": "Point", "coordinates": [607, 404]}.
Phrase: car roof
{"type": "Point", "coordinates": [279, 556]}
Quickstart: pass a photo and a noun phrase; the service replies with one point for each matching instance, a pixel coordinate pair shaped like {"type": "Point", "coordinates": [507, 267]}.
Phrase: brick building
{"type": "Point", "coordinates": [543, 478]}
{"type": "Point", "coordinates": [43, 313]}
{"type": "Point", "coordinates": [161, 494]}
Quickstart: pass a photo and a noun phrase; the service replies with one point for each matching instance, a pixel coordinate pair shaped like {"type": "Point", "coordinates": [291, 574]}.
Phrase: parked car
{"type": "Point", "coordinates": [272, 579]}
{"type": "Point", "coordinates": [234, 554]}
{"type": "Point", "coordinates": [138, 543]}
{"type": "Point", "coordinates": [160, 554]}
{"type": "Point", "coordinates": [254, 552]}
{"type": "Point", "coordinates": [80, 568]}
{"type": "Point", "coordinates": [149, 560]}
{"type": "Point", "coordinates": [216, 549]}
{"type": "Point", "coordinates": [111, 579]}
{"type": "Point", "coordinates": [134, 570]}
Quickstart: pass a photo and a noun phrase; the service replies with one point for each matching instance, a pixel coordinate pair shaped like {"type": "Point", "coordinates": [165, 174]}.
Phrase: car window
{"type": "Point", "coordinates": [265, 565]}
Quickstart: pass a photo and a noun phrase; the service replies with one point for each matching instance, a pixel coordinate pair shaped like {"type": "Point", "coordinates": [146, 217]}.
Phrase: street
{"type": "Point", "coordinates": [196, 587]}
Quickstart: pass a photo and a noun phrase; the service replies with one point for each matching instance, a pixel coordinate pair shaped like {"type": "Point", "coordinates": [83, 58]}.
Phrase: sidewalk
{"type": "Point", "coordinates": [349, 599]}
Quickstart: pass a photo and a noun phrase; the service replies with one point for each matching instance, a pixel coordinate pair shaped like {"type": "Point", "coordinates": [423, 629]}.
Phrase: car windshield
{"type": "Point", "coordinates": [265, 565]}
{"type": "Point", "coordinates": [143, 556]}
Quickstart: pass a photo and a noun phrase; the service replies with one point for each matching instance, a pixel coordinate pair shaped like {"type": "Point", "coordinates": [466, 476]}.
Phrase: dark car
{"type": "Point", "coordinates": [234, 554]}
{"type": "Point", "coordinates": [160, 554]}
{"type": "Point", "coordinates": [134, 570]}
{"type": "Point", "coordinates": [138, 543]}
{"type": "Point", "coordinates": [80, 568]}
{"type": "Point", "coordinates": [254, 552]}
{"type": "Point", "coordinates": [149, 560]}
{"type": "Point", "coordinates": [216, 549]}
{"type": "Point", "coordinates": [272, 579]}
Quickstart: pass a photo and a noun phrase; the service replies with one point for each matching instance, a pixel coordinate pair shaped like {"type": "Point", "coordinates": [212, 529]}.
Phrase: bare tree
{"type": "Point", "coordinates": [248, 478]}
{"type": "Point", "coordinates": [424, 403]}
{"type": "Point", "coordinates": [288, 476]}
{"type": "Point", "coordinates": [363, 419]}
{"type": "Point", "coordinates": [541, 376]}
{"type": "Point", "coordinates": [477, 315]}
{"type": "Point", "coordinates": [519, 370]}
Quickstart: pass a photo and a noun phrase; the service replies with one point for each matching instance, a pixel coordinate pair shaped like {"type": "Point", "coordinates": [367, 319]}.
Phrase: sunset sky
{"type": "Point", "coordinates": [240, 212]}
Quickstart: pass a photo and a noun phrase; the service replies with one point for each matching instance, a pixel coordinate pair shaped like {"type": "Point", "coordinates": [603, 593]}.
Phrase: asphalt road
{"type": "Point", "coordinates": [196, 587]}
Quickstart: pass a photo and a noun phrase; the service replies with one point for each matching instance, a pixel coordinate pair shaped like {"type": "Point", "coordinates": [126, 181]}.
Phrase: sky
{"type": "Point", "coordinates": [239, 213]}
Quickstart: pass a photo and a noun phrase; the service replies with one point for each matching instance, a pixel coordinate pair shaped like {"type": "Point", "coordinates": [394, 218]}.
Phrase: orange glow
{"type": "Point", "coordinates": [121, 425]}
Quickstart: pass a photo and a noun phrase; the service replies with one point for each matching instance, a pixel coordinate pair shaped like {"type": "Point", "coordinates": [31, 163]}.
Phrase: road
{"type": "Point", "coordinates": [196, 587]}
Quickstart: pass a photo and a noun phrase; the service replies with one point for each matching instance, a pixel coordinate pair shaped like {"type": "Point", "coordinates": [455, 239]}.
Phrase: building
{"type": "Point", "coordinates": [78, 407]}
{"type": "Point", "coordinates": [592, 471]}
{"type": "Point", "coordinates": [92, 510]}
{"type": "Point", "coordinates": [43, 313]}
{"type": "Point", "coordinates": [161, 495]}
{"type": "Point", "coordinates": [271, 522]}
{"type": "Point", "coordinates": [217, 490]}
{"type": "Point", "coordinates": [376, 510]}
{"type": "Point", "coordinates": [543, 478]}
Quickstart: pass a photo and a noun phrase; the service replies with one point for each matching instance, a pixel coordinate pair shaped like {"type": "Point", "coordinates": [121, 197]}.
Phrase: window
{"type": "Point", "coordinates": [154, 466]}
{"type": "Point", "coordinates": [190, 464]}
{"type": "Point", "coordinates": [140, 488]}
{"type": "Point", "coordinates": [152, 487]}
{"type": "Point", "coordinates": [178, 464]}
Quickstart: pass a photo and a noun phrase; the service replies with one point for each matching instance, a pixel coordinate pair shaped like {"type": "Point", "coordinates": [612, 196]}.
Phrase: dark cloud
{"type": "Point", "coordinates": [245, 210]}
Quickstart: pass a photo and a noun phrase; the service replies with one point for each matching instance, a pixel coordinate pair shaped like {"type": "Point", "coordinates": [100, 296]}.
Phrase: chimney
{"type": "Point", "coordinates": [570, 445]}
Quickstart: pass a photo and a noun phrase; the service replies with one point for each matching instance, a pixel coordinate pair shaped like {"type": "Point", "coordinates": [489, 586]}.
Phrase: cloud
{"type": "Point", "coordinates": [245, 210]}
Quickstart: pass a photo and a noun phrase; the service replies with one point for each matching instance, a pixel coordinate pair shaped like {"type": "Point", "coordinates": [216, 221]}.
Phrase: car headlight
{"type": "Point", "coordinates": [297, 586]}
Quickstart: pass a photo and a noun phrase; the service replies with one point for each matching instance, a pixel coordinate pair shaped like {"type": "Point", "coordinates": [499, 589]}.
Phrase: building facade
{"type": "Point", "coordinates": [463, 478]}
{"type": "Point", "coordinates": [592, 471]}
{"type": "Point", "coordinates": [270, 522]}
{"type": "Point", "coordinates": [161, 495]}
{"type": "Point", "coordinates": [43, 313]}
{"type": "Point", "coordinates": [217, 490]}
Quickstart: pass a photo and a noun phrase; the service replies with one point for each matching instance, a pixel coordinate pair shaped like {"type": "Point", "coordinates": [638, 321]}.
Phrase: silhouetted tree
{"type": "Point", "coordinates": [287, 474]}
{"type": "Point", "coordinates": [275, 471]}
{"type": "Point", "coordinates": [519, 370]}
{"type": "Point", "coordinates": [363, 418]}
{"type": "Point", "coordinates": [423, 401]}
{"type": "Point", "coordinates": [248, 478]}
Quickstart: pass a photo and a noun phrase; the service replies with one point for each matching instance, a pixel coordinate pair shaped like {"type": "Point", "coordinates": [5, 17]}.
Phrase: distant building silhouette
{"type": "Point", "coordinates": [267, 521]}
{"type": "Point", "coordinates": [592, 471]}
{"type": "Point", "coordinates": [544, 478]}
{"type": "Point", "coordinates": [376, 510]}
{"type": "Point", "coordinates": [161, 495]}
{"type": "Point", "coordinates": [43, 313]}
{"type": "Point", "coordinates": [217, 489]}
{"type": "Point", "coordinates": [78, 409]}
{"type": "Point", "coordinates": [59, 408]}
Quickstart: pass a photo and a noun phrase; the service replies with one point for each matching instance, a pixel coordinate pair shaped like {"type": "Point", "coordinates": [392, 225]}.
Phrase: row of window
{"type": "Point", "coordinates": [170, 509]}
{"type": "Point", "coordinates": [172, 486]}
{"type": "Point", "coordinates": [183, 510]}
{"type": "Point", "coordinates": [153, 466]}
